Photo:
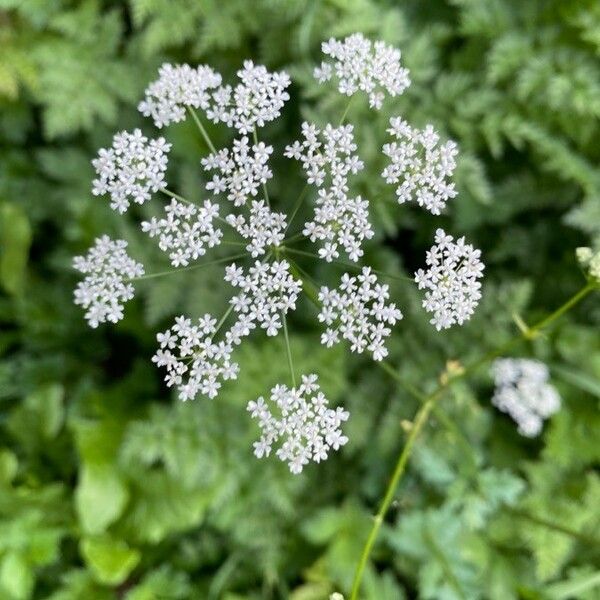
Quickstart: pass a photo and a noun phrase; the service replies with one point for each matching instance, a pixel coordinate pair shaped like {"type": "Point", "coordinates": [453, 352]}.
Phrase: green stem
{"type": "Point", "coordinates": [264, 185]}
{"type": "Point", "coordinates": [288, 349]}
{"type": "Point", "coordinates": [223, 319]}
{"type": "Point", "coordinates": [582, 537]}
{"type": "Point", "coordinates": [421, 419]}
{"type": "Point", "coordinates": [345, 114]}
{"type": "Point", "coordinates": [344, 263]}
{"type": "Point", "coordinates": [202, 130]}
{"type": "Point", "coordinates": [176, 196]}
{"type": "Point", "coordinates": [297, 206]}
{"type": "Point", "coordinates": [190, 267]}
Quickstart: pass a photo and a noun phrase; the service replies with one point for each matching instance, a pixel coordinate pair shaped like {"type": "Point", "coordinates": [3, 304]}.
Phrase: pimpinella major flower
{"type": "Point", "coordinates": [198, 355]}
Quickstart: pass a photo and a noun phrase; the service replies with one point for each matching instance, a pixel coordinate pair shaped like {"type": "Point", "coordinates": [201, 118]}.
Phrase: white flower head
{"type": "Point", "coordinates": [177, 88]}
{"type": "Point", "coordinates": [523, 392]}
{"type": "Point", "coordinates": [358, 311]}
{"type": "Point", "coordinates": [264, 228]}
{"type": "Point", "coordinates": [256, 100]}
{"type": "Point", "coordinates": [240, 172]}
{"type": "Point", "coordinates": [268, 291]}
{"type": "Point", "coordinates": [186, 231]}
{"type": "Point", "coordinates": [360, 65]}
{"type": "Point", "coordinates": [328, 157]}
{"type": "Point", "coordinates": [451, 280]}
{"type": "Point", "coordinates": [299, 418]}
{"type": "Point", "coordinates": [106, 267]}
{"type": "Point", "coordinates": [195, 362]}
{"type": "Point", "coordinates": [420, 165]}
{"type": "Point", "coordinates": [131, 169]}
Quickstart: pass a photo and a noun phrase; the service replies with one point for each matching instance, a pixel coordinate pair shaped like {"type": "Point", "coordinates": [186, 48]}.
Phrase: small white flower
{"type": "Point", "coordinates": [358, 312]}
{"type": "Point", "coordinates": [453, 290]}
{"type": "Point", "coordinates": [328, 157]}
{"type": "Point", "coordinates": [420, 165]}
{"type": "Point", "coordinates": [256, 100]}
{"type": "Point", "coordinates": [301, 421]}
{"type": "Point", "coordinates": [105, 288]}
{"type": "Point", "coordinates": [178, 87]}
{"type": "Point", "coordinates": [360, 65]}
{"type": "Point", "coordinates": [264, 228]}
{"type": "Point", "coordinates": [131, 169]}
{"type": "Point", "coordinates": [522, 391]}
{"type": "Point", "coordinates": [267, 292]}
{"type": "Point", "coordinates": [185, 231]}
{"type": "Point", "coordinates": [195, 362]}
{"type": "Point", "coordinates": [240, 172]}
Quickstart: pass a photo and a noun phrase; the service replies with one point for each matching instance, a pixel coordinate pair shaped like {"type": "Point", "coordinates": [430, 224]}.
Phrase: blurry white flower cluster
{"type": "Point", "coordinates": [358, 311]}
{"type": "Point", "coordinates": [107, 268]}
{"type": "Point", "coordinates": [523, 392]}
{"type": "Point", "coordinates": [451, 280]}
{"type": "Point", "coordinates": [360, 65]}
{"type": "Point", "coordinates": [131, 169]}
{"type": "Point", "coordinates": [301, 419]}
{"type": "Point", "coordinates": [198, 356]}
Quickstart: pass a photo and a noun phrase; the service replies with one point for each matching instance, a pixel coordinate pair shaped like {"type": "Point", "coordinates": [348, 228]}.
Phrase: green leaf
{"type": "Point", "coordinates": [583, 381]}
{"type": "Point", "coordinates": [110, 560]}
{"type": "Point", "coordinates": [15, 239]}
{"type": "Point", "coordinates": [16, 576]}
{"type": "Point", "coordinates": [100, 497]}
{"type": "Point", "coordinates": [8, 466]}
{"type": "Point", "coordinates": [574, 587]}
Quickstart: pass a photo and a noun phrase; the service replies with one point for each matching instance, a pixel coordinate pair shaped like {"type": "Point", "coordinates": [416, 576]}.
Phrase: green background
{"type": "Point", "coordinates": [110, 488]}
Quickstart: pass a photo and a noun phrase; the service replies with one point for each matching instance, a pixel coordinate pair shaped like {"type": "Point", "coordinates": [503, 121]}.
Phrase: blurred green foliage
{"type": "Point", "coordinates": [111, 489]}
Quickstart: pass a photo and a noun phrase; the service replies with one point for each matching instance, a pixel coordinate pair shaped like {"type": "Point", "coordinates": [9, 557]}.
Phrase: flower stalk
{"type": "Point", "coordinates": [422, 417]}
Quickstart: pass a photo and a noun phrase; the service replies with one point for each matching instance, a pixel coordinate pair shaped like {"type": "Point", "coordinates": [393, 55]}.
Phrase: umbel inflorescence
{"type": "Point", "coordinates": [198, 355]}
{"type": "Point", "coordinates": [523, 392]}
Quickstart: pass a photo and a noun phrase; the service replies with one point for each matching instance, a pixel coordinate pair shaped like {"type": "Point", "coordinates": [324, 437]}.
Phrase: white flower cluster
{"type": "Point", "coordinates": [264, 227]}
{"type": "Point", "coordinates": [328, 157]}
{"type": "Point", "coordinates": [130, 170]}
{"type": "Point", "coordinates": [522, 391]}
{"type": "Point", "coordinates": [453, 290]}
{"type": "Point", "coordinates": [268, 291]}
{"type": "Point", "coordinates": [256, 100]}
{"type": "Point", "coordinates": [420, 165]}
{"type": "Point", "coordinates": [196, 363]}
{"type": "Point", "coordinates": [358, 312]}
{"type": "Point", "coordinates": [178, 87]}
{"type": "Point", "coordinates": [241, 171]}
{"type": "Point", "coordinates": [105, 288]}
{"type": "Point", "coordinates": [307, 427]}
{"type": "Point", "coordinates": [361, 65]}
{"type": "Point", "coordinates": [186, 231]}
{"type": "Point", "coordinates": [197, 355]}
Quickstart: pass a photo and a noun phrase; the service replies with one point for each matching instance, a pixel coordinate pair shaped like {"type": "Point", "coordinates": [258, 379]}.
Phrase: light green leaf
{"type": "Point", "coordinates": [573, 587]}
{"type": "Point", "coordinates": [100, 497]}
{"type": "Point", "coordinates": [16, 576]}
{"type": "Point", "coordinates": [15, 239]}
{"type": "Point", "coordinates": [110, 560]}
